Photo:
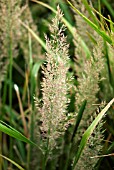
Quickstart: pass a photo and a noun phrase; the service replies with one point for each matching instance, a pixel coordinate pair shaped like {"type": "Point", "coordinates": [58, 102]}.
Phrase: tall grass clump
{"type": "Point", "coordinates": [56, 85]}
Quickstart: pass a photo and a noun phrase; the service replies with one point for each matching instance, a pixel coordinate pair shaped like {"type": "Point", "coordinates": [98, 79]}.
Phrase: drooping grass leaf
{"type": "Point", "coordinates": [13, 162]}
{"type": "Point", "coordinates": [14, 133]}
{"type": "Point", "coordinates": [34, 35]}
{"type": "Point", "coordinates": [90, 130]}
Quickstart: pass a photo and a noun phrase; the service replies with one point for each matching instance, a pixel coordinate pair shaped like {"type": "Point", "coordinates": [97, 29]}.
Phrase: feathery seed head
{"type": "Point", "coordinates": [54, 85]}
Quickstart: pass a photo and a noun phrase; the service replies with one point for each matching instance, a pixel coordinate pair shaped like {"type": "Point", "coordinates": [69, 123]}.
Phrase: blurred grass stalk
{"type": "Point", "coordinates": [21, 110]}
{"type": "Point", "coordinates": [10, 54]}
{"type": "Point", "coordinates": [12, 162]}
{"type": "Point", "coordinates": [32, 92]}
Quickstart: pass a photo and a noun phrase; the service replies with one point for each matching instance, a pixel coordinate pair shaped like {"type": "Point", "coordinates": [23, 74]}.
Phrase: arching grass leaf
{"type": "Point", "coordinates": [14, 133]}
{"type": "Point", "coordinates": [89, 131]}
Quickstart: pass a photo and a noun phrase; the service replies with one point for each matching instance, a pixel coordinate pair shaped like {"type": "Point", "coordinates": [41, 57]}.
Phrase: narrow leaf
{"type": "Point", "coordinates": [108, 66]}
{"type": "Point", "coordinates": [34, 34]}
{"type": "Point", "coordinates": [13, 162]}
{"type": "Point", "coordinates": [35, 68]}
{"type": "Point", "coordinates": [92, 25]}
{"type": "Point", "coordinates": [90, 130]}
{"type": "Point", "coordinates": [34, 74]}
{"type": "Point", "coordinates": [90, 12]}
{"type": "Point", "coordinates": [79, 117]}
{"type": "Point", "coordinates": [14, 133]}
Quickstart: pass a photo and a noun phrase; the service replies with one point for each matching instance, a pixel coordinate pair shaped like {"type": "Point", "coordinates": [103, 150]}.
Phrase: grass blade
{"type": "Point", "coordinates": [79, 117]}
{"type": "Point", "coordinates": [34, 35]}
{"type": "Point", "coordinates": [35, 70]}
{"type": "Point", "coordinates": [110, 75]}
{"type": "Point", "coordinates": [90, 12]}
{"type": "Point", "coordinates": [14, 133]}
{"type": "Point", "coordinates": [13, 162]}
{"type": "Point", "coordinates": [90, 130]}
{"type": "Point", "coordinates": [92, 25]}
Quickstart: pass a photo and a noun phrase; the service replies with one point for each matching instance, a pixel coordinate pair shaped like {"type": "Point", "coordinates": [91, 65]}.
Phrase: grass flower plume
{"type": "Point", "coordinates": [54, 85]}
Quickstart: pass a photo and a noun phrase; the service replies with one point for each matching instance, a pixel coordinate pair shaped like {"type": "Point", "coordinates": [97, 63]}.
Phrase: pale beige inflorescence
{"type": "Point", "coordinates": [54, 85]}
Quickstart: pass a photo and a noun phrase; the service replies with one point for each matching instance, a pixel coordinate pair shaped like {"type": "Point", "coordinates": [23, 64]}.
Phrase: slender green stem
{"type": "Point", "coordinates": [31, 98]}
{"type": "Point", "coordinates": [10, 78]}
{"type": "Point", "coordinates": [10, 94]}
{"type": "Point", "coordinates": [109, 69]}
{"type": "Point", "coordinates": [1, 150]}
{"type": "Point", "coordinates": [47, 150]}
{"type": "Point", "coordinates": [4, 91]}
{"type": "Point", "coordinates": [4, 97]}
{"type": "Point", "coordinates": [46, 155]}
{"type": "Point", "coordinates": [10, 54]}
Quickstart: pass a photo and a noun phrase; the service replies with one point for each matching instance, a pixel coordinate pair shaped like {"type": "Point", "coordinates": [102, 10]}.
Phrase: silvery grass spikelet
{"type": "Point", "coordinates": [54, 85]}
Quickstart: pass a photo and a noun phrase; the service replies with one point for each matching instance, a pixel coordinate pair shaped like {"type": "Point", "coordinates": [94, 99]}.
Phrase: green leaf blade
{"type": "Point", "coordinates": [90, 130]}
{"type": "Point", "coordinates": [103, 34]}
{"type": "Point", "coordinates": [13, 162]}
{"type": "Point", "coordinates": [14, 133]}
